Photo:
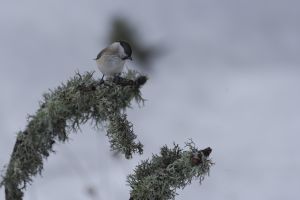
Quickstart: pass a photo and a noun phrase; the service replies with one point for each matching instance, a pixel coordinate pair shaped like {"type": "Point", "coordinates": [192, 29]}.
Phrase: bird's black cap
{"type": "Point", "coordinates": [127, 48]}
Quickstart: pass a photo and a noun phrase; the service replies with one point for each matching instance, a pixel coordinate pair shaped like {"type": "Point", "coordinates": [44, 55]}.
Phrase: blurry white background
{"type": "Point", "coordinates": [230, 80]}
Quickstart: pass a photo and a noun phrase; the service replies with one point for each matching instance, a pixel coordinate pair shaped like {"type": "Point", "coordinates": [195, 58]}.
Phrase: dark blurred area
{"type": "Point", "coordinates": [122, 29]}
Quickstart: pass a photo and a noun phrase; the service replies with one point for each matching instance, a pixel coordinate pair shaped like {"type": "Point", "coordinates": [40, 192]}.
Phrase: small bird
{"type": "Point", "coordinates": [111, 60]}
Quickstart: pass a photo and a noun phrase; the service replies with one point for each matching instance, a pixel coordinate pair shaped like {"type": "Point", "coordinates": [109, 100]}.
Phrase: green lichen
{"type": "Point", "coordinates": [174, 168]}
{"type": "Point", "coordinates": [61, 112]}
{"type": "Point", "coordinates": [83, 99]}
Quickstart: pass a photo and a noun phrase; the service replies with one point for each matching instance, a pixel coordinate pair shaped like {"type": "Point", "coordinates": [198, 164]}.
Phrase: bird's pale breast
{"type": "Point", "coordinates": [110, 65]}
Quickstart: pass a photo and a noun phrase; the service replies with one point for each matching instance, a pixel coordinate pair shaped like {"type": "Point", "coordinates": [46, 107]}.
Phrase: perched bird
{"type": "Point", "coordinates": [111, 60]}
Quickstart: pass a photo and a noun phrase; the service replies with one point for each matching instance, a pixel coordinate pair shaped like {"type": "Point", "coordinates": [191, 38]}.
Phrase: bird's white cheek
{"type": "Point", "coordinates": [121, 52]}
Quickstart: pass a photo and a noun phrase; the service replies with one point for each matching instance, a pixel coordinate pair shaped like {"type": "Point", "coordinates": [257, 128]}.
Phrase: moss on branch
{"type": "Point", "coordinates": [61, 112]}
{"type": "Point", "coordinates": [174, 168]}
{"type": "Point", "coordinates": [84, 98]}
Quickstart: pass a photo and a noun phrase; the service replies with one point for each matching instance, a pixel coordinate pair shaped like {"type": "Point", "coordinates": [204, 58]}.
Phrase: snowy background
{"type": "Point", "coordinates": [230, 80]}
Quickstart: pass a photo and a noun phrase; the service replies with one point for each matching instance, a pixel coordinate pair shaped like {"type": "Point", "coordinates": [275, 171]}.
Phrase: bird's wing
{"type": "Point", "coordinates": [100, 54]}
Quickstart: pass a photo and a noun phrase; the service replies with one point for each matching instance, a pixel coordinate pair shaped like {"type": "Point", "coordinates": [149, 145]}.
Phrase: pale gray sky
{"type": "Point", "coordinates": [230, 80]}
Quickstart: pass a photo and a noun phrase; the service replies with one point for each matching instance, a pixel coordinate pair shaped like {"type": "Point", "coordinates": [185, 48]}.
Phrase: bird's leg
{"type": "Point", "coordinates": [102, 80]}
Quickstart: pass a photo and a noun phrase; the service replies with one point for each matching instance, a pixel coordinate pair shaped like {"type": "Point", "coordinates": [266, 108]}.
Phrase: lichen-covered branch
{"type": "Point", "coordinates": [174, 168]}
{"type": "Point", "coordinates": [62, 111]}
